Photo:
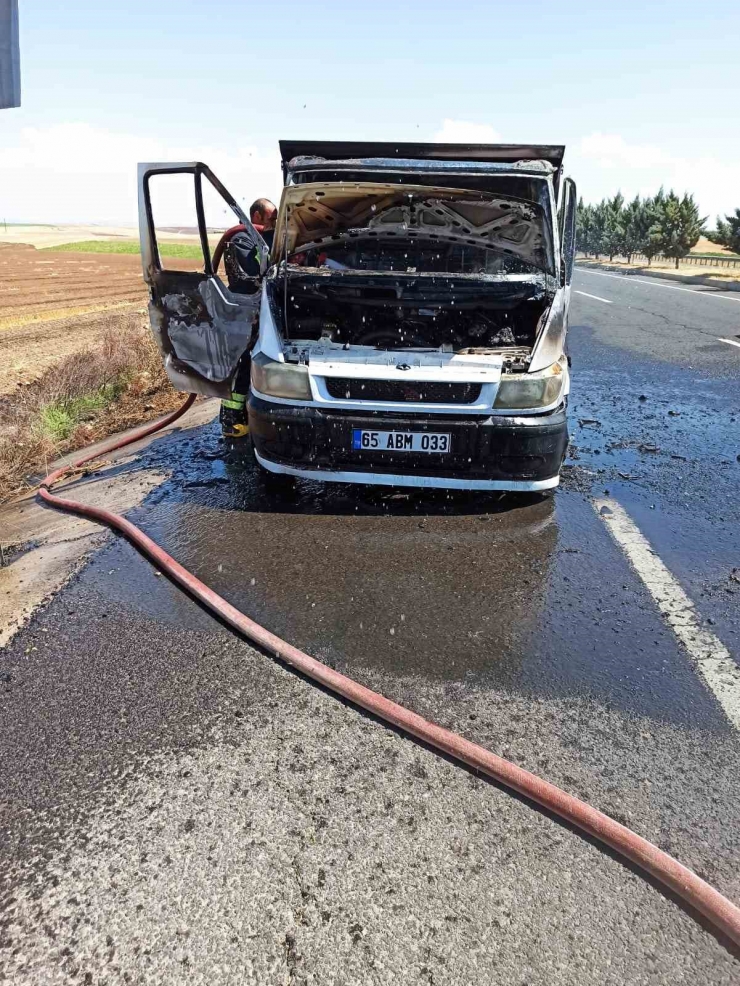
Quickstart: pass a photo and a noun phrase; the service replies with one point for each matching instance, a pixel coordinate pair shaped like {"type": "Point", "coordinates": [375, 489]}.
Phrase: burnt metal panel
{"type": "Point", "coordinates": [339, 150]}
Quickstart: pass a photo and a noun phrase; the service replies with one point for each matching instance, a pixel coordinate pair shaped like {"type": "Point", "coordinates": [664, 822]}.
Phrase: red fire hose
{"type": "Point", "coordinates": [721, 912]}
{"type": "Point", "coordinates": [225, 238]}
{"type": "Point", "coordinates": [221, 245]}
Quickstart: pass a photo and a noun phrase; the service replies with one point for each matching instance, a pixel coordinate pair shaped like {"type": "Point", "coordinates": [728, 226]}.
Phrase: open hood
{"type": "Point", "coordinates": [319, 215]}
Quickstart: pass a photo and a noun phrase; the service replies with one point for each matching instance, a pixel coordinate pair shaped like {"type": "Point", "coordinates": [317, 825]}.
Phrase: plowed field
{"type": "Point", "coordinates": [56, 303]}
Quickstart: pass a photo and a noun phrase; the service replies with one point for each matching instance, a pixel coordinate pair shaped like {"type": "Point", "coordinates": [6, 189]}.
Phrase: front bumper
{"type": "Point", "coordinates": [488, 453]}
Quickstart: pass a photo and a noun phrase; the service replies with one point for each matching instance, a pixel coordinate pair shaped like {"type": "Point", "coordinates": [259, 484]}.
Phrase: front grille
{"type": "Point", "coordinates": [421, 391]}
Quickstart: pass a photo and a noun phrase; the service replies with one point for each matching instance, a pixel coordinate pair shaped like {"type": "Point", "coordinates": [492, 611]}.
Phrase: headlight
{"type": "Point", "coordinates": [280, 379]}
{"type": "Point", "coordinates": [530, 390]}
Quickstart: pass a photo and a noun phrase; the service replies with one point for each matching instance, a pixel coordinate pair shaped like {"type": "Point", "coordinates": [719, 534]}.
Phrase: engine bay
{"type": "Point", "coordinates": [410, 312]}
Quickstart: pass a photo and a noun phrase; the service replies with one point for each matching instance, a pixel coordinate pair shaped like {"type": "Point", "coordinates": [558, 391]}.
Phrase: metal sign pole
{"type": "Point", "coordinates": [10, 55]}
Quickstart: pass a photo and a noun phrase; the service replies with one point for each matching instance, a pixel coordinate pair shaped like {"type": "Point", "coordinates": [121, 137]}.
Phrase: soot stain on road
{"type": "Point", "coordinates": [664, 427]}
{"type": "Point", "coordinates": [406, 583]}
{"type": "Point", "coordinates": [520, 593]}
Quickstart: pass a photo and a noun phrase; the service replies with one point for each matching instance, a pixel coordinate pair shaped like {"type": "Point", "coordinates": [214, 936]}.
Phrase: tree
{"type": "Point", "coordinates": [678, 226]}
{"type": "Point", "coordinates": [584, 224]}
{"type": "Point", "coordinates": [652, 213]}
{"type": "Point", "coordinates": [727, 233]}
{"type": "Point", "coordinates": [613, 232]}
{"type": "Point", "coordinates": [588, 229]}
{"type": "Point", "coordinates": [598, 227]}
{"type": "Point", "coordinates": [636, 221]}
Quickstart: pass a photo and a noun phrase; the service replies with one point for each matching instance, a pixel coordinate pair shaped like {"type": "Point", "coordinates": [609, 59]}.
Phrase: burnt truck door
{"type": "Point", "coordinates": [567, 223]}
{"type": "Point", "coordinates": [551, 341]}
{"type": "Point", "coordinates": [200, 326]}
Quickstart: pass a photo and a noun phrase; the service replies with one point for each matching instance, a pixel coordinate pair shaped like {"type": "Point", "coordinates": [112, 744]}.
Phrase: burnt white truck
{"type": "Point", "coordinates": [408, 325]}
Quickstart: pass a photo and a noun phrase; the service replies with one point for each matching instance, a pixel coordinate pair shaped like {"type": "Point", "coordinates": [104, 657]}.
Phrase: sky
{"type": "Point", "coordinates": [641, 94]}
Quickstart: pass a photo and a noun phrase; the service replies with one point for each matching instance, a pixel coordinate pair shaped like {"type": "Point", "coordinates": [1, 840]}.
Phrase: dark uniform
{"type": "Point", "coordinates": [242, 263]}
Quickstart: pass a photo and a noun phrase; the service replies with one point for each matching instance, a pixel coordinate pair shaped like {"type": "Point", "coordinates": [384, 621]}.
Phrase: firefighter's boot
{"type": "Point", "coordinates": [233, 418]}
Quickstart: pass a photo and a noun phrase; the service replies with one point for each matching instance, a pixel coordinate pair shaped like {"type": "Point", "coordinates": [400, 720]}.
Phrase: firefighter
{"type": "Point", "coordinates": [242, 263]}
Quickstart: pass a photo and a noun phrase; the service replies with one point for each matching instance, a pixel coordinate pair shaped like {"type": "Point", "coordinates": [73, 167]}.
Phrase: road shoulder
{"type": "Point", "coordinates": [43, 548]}
{"type": "Point", "coordinates": [706, 280]}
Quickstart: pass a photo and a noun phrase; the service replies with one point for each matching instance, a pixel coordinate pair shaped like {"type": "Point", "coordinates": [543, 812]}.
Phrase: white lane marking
{"type": "Point", "coordinates": [652, 284]}
{"type": "Point", "coordinates": [709, 654]}
{"type": "Point", "coordinates": [595, 297]}
{"type": "Point", "coordinates": [731, 342]}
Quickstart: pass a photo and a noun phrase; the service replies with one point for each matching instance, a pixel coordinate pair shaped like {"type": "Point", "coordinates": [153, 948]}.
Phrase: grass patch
{"type": "Point", "coordinates": [58, 420]}
{"type": "Point", "coordinates": [116, 384]}
{"type": "Point", "coordinates": [191, 251]}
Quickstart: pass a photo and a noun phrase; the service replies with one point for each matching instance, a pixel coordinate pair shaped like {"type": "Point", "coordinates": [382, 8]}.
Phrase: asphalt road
{"type": "Point", "coordinates": [176, 807]}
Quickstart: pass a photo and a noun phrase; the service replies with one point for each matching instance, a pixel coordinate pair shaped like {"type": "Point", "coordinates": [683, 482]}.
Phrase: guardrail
{"type": "Point", "coordinates": [699, 261]}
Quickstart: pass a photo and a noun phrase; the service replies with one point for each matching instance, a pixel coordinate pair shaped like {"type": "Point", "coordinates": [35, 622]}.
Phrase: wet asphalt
{"type": "Point", "coordinates": [177, 807]}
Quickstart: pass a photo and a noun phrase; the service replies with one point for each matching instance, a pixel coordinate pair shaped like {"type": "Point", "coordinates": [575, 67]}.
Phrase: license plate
{"type": "Point", "coordinates": [400, 441]}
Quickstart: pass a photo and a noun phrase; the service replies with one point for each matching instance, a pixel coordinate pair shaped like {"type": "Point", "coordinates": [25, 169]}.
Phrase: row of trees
{"type": "Point", "coordinates": [661, 224]}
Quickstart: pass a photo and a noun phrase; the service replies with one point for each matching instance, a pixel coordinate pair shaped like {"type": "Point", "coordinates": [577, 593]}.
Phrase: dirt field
{"type": "Point", "coordinates": [78, 359]}
{"type": "Point", "coordinates": [53, 304]}
{"type": "Point", "coordinates": [706, 246]}
{"type": "Point", "coordinates": [55, 235]}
